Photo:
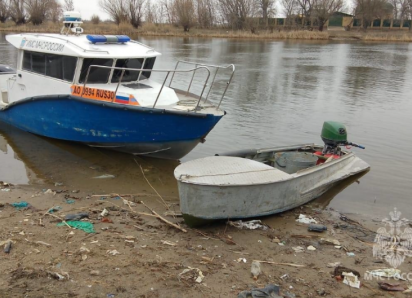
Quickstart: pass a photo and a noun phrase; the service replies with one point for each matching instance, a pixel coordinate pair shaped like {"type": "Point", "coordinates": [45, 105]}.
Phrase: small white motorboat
{"type": "Point", "coordinates": [259, 182]}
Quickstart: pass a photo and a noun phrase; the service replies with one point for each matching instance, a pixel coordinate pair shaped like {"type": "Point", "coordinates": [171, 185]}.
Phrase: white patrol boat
{"type": "Point", "coordinates": [99, 90]}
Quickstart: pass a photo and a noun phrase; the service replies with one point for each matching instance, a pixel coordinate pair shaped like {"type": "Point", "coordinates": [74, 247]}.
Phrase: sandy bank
{"type": "Point", "coordinates": [139, 256]}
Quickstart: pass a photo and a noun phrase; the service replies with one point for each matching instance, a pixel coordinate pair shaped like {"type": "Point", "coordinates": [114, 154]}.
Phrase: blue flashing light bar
{"type": "Point", "coordinates": [72, 19]}
{"type": "Point", "coordinates": [108, 38]}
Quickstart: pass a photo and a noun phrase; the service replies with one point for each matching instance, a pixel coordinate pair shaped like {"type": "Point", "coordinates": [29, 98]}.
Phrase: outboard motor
{"type": "Point", "coordinates": [334, 135]}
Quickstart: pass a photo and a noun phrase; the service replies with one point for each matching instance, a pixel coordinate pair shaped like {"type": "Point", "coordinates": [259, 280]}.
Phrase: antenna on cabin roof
{"type": "Point", "coordinates": [71, 23]}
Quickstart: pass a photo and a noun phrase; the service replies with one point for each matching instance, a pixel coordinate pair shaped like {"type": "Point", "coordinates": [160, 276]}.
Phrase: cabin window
{"type": "Point", "coordinates": [97, 75]}
{"type": "Point", "coordinates": [27, 60]}
{"type": "Point", "coordinates": [55, 66]}
{"type": "Point", "coordinates": [60, 67]}
{"type": "Point", "coordinates": [149, 63]}
{"type": "Point", "coordinates": [129, 76]}
{"type": "Point", "coordinates": [38, 63]}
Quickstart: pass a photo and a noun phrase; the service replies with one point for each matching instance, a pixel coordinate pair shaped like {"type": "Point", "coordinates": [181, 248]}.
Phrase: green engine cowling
{"type": "Point", "coordinates": [334, 133]}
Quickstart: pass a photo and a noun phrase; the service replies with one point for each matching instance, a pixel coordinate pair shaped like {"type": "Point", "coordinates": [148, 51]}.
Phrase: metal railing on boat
{"type": "Point", "coordinates": [198, 67]}
{"type": "Point", "coordinates": [216, 67]}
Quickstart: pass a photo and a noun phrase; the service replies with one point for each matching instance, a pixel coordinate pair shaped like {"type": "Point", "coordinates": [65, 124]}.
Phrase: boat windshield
{"type": "Point", "coordinates": [102, 75]}
{"type": "Point", "coordinates": [148, 64]}
{"type": "Point", "coordinates": [97, 75]}
{"type": "Point", "coordinates": [133, 76]}
{"type": "Point", "coordinates": [128, 76]}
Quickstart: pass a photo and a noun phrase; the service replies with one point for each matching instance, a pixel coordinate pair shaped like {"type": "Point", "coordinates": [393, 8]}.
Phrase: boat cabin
{"type": "Point", "coordinates": [88, 66]}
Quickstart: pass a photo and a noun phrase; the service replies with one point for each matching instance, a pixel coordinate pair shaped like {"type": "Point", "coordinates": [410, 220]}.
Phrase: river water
{"type": "Point", "coordinates": [281, 94]}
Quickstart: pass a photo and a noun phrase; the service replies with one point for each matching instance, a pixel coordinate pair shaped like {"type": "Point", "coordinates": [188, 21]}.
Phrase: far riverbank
{"type": "Point", "coordinates": [269, 34]}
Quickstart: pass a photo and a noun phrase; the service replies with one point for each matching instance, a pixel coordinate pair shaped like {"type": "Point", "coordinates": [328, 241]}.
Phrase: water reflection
{"type": "Point", "coordinates": [32, 159]}
{"type": "Point", "coordinates": [14, 170]}
{"type": "Point", "coordinates": [283, 91]}
{"type": "Point", "coordinates": [281, 94]}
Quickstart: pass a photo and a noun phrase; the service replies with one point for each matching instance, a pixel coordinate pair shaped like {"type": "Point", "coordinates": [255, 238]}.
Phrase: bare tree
{"type": "Point", "coordinates": [169, 11]}
{"type": "Point", "coordinates": [368, 10]}
{"type": "Point", "coordinates": [135, 12]}
{"type": "Point", "coordinates": [305, 9]}
{"type": "Point", "coordinates": [405, 11]}
{"type": "Point", "coordinates": [290, 9]}
{"type": "Point", "coordinates": [396, 7]}
{"type": "Point", "coordinates": [206, 12]}
{"type": "Point", "coordinates": [4, 10]}
{"type": "Point", "coordinates": [237, 12]}
{"type": "Point", "coordinates": [267, 9]}
{"type": "Point", "coordinates": [18, 12]}
{"type": "Point", "coordinates": [95, 19]}
{"type": "Point", "coordinates": [116, 9]}
{"type": "Point", "coordinates": [55, 11]}
{"type": "Point", "coordinates": [184, 12]}
{"type": "Point", "coordinates": [322, 10]}
{"type": "Point", "coordinates": [68, 5]}
{"type": "Point", "coordinates": [38, 10]}
{"type": "Point", "coordinates": [153, 12]}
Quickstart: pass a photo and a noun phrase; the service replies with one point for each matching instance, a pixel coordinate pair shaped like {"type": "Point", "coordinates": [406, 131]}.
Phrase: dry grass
{"type": "Point", "coordinates": [169, 30]}
{"type": "Point", "coordinates": [390, 37]}
{"type": "Point", "coordinates": [150, 29]}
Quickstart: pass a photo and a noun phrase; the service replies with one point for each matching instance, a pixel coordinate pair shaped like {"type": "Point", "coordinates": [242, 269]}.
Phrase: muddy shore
{"type": "Point", "coordinates": [134, 254]}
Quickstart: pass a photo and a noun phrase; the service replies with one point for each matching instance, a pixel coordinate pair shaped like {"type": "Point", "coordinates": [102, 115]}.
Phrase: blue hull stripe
{"type": "Point", "coordinates": [75, 119]}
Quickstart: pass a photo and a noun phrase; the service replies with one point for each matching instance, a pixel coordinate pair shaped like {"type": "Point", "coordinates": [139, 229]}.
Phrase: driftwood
{"type": "Point", "coordinates": [59, 218]}
{"type": "Point", "coordinates": [131, 195]}
{"type": "Point", "coordinates": [282, 264]}
{"type": "Point", "coordinates": [164, 219]}
{"type": "Point", "coordinates": [306, 236]}
{"type": "Point", "coordinates": [144, 176]}
{"type": "Point", "coordinates": [154, 214]}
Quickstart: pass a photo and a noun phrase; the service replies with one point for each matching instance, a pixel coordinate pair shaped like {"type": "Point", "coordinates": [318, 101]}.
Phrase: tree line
{"type": "Point", "coordinates": [33, 11]}
{"type": "Point", "coordinates": [250, 14]}
{"type": "Point", "coordinates": [206, 14]}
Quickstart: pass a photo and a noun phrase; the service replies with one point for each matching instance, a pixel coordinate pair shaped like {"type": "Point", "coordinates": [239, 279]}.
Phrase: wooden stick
{"type": "Point", "coordinates": [144, 176]}
{"type": "Point", "coordinates": [135, 212]}
{"type": "Point", "coordinates": [147, 214]}
{"type": "Point", "coordinates": [306, 236]}
{"type": "Point", "coordinates": [127, 203]}
{"type": "Point", "coordinates": [132, 195]}
{"type": "Point", "coordinates": [164, 219]}
{"type": "Point", "coordinates": [60, 219]}
{"type": "Point", "coordinates": [155, 214]}
{"type": "Point", "coordinates": [285, 264]}
{"type": "Point", "coordinates": [206, 235]}
{"type": "Point", "coordinates": [239, 252]}
{"type": "Point", "coordinates": [226, 240]}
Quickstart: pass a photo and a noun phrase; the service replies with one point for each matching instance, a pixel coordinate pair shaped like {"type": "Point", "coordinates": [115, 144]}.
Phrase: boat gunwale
{"type": "Point", "coordinates": [298, 174]}
{"type": "Point", "coordinates": [111, 105]}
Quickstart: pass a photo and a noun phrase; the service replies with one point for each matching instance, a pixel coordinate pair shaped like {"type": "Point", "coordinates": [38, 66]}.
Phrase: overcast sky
{"type": "Point", "coordinates": [88, 7]}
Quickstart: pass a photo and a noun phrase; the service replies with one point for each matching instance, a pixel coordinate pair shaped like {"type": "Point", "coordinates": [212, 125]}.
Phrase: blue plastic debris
{"type": "Point", "coordinates": [70, 201]}
{"type": "Point", "coordinates": [54, 209]}
{"type": "Point", "coordinates": [116, 198]}
{"type": "Point", "coordinates": [80, 225]}
{"type": "Point", "coordinates": [102, 198]}
{"type": "Point", "coordinates": [20, 205]}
